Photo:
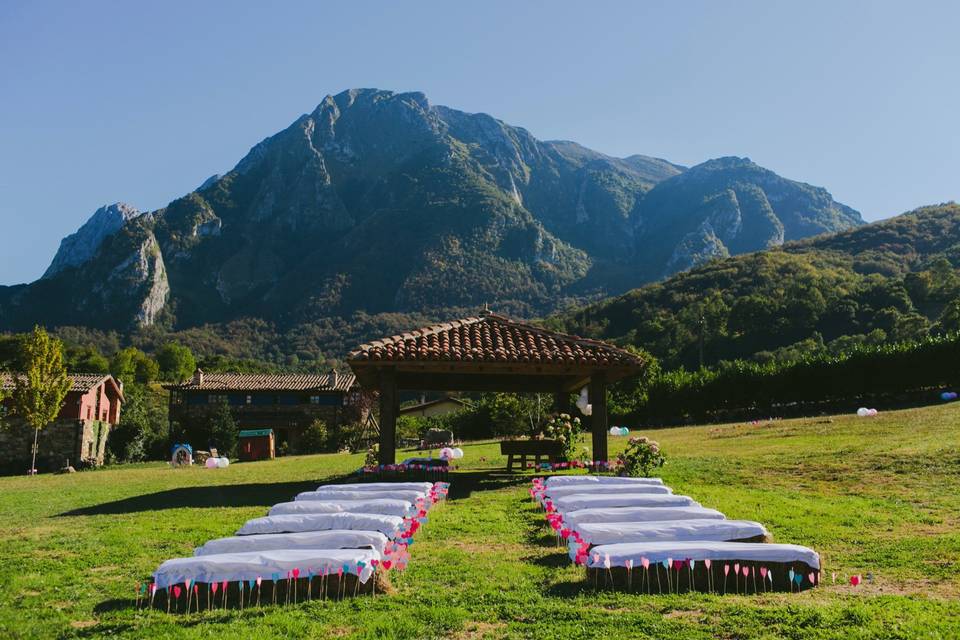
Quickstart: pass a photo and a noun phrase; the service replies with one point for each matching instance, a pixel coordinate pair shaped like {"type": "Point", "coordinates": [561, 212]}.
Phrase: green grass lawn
{"type": "Point", "coordinates": [878, 496]}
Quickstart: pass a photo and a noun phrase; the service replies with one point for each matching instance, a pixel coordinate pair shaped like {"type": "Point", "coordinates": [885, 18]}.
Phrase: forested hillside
{"type": "Point", "coordinates": [886, 282]}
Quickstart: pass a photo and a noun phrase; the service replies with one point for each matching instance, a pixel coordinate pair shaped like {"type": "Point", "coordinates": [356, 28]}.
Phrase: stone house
{"type": "Point", "coordinates": [78, 435]}
{"type": "Point", "coordinates": [288, 403]}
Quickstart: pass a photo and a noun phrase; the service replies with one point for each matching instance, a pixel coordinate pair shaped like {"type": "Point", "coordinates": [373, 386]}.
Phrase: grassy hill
{"type": "Point", "coordinates": [874, 496]}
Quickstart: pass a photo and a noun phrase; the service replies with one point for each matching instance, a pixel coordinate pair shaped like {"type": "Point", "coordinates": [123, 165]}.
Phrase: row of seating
{"type": "Point", "coordinates": [336, 541]}
{"type": "Point", "coordinates": [616, 527]}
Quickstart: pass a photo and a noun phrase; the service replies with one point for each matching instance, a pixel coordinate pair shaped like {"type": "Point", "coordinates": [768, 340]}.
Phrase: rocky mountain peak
{"type": "Point", "coordinates": [80, 246]}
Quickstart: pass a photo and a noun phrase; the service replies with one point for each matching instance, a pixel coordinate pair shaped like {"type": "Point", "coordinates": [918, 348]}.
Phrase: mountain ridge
{"type": "Point", "coordinates": [308, 222]}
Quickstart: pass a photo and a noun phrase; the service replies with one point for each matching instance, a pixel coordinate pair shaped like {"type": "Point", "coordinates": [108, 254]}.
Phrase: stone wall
{"type": "Point", "coordinates": [63, 440]}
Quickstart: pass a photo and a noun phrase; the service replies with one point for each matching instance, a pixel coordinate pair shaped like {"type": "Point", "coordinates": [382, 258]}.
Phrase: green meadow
{"type": "Point", "coordinates": [879, 497]}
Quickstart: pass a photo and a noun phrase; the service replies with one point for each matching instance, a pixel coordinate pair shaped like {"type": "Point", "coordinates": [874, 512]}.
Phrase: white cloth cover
{"type": "Point", "coordinates": [377, 486]}
{"type": "Point", "coordinates": [252, 565]}
{"type": "Point", "coordinates": [594, 533]}
{"type": "Point", "coordinates": [579, 501]}
{"type": "Point", "coordinates": [573, 519]}
{"type": "Point", "coordinates": [333, 539]}
{"type": "Point", "coordinates": [701, 550]}
{"type": "Point", "coordinates": [556, 481]}
{"type": "Point", "coordinates": [605, 490]}
{"type": "Point", "coordinates": [390, 526]}
{"type": "Point", "coordinates": [328, 495]}
{"type": "Point", "coordinates": [384, 507]}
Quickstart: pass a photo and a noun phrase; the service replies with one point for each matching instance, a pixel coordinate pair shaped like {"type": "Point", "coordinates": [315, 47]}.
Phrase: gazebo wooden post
{"type": "Point", "coordinates": [598, 420]}
{"type": "Point", "coordinates": [389, 408]}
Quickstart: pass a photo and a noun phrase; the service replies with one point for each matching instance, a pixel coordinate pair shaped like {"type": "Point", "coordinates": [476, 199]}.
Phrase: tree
{"type": "Point", "coordinates": [133, 365]}
{"type": "Point", "coordinates": [223, 432]}
{"type": "Point", "coordinates": [39, 390]}
{"type": "Point", "coordinates": [176, 362]}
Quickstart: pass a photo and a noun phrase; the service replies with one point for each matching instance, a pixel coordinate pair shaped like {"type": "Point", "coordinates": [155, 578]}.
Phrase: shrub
{"type": "Point", "coordinates": [641, 457]}
{"type": "Point", "coordinates": [567, 431]}
{"type": "Point", "coordinates": [315, 438]}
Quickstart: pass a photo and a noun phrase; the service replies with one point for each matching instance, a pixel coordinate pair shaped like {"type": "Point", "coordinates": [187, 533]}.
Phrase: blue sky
{"type": "Point", "coordinates": [140, 102]}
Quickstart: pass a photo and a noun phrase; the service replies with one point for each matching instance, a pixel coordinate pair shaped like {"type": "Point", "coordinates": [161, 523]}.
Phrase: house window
{"type": "Point", "coordinates": [314, 399]}
{"type": "Point", "coordinates": [249, 399]}
{"type": "Point", "coordinates": [217, 398]}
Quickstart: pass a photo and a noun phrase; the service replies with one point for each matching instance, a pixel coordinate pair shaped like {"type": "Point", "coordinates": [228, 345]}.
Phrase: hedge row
{"type": "Point", "coordinates": [864, 372]}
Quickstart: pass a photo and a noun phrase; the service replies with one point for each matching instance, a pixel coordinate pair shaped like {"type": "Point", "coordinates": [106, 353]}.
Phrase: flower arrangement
{"type": "Point", "coordinates": [566, 430]}
{"type": "Point", "coordinates": [641, 457]}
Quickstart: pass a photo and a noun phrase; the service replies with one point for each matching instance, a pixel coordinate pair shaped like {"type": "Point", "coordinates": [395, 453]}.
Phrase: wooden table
{"type": "Point", "coordinates": [552, 450]}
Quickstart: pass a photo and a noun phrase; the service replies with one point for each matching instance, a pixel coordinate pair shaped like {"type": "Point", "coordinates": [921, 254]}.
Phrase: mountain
{"type": "Point", "coordinates": [379, 203]}
{"type": "Point", "coordinates": [885, 282]}
{"type": "Point", "coordinates": [79, 247]}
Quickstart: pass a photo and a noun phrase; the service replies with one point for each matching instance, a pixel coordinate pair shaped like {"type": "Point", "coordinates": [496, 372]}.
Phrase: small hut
{"type": "Point", "coordinates": [256, 444]}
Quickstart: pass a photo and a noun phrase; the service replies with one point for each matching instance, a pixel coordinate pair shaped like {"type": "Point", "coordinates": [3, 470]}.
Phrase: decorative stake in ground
{"type": "Point", "coordinates": [726, 572]}
{"type": "Point", "coordinates": [259, 590]}
{"type": "Point", "coordinates": [645, 562]}
{"type": "Point", "coordinates": [707, 563]}
{"type": "Point", "coordinates": [214, 588]}
{"type": "Point", "coordinates": [629, 564]}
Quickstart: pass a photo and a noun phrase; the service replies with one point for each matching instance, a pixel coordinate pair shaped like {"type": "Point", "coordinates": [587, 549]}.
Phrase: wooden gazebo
{"type": "Point", "coordinates": [490, 353]}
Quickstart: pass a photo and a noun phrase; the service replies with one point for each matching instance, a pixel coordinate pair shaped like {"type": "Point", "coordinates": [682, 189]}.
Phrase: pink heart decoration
{"type": "Point", "coordinates": [726, 569]}
{"type": "Point", "coordinates": [296, 573]}
{"type": "Point", "coordinates": [746, 571]}
{"type": "Point", "coordinates": [763, 572]}
{"type": "Point", "coordinates": [854, 580]}
{"type": "Point", "coordinates": [387, 564]}
{"type": "Point", "coordinates": [707, 563]}
{"type": "Point", "coordinates": [645, 562]}
{"type": "Point", "coordinates": [259, 580]}
{"type": "Point", "coordinates": [176, 592]}
{"type": "Point", "coordinates": [812, 577]}
{"type": "Point", "coordinates": [215, 587]}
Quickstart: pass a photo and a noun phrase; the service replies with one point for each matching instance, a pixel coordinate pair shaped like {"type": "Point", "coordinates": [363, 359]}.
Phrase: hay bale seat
{"type": "Point", "coordinates": [379, 486]}
{"type": "Point", "coordinates": [233, 568]}
{"type": "Point", "coordinates": [390, 526]}
{"type": "Point", "coordinates": [329, 539]}
{"type": "Point", "coordinates": [578, 501]}
{"type": "Point", "coordinates": [555, 493]}
{"type": "Point", "coordinates": [776, 559]}
{"type": "Point", "coordinates": [557, 481]}
{"type": "Point", "coordinates": [323, 495]}
{"type": "Point", "coordinates": [603, 533]}
{"type": "Point", "coordinates": [330, 587]}
{"type": "Point", "coordinates": [380, 506]}
{"type": "Point", "coordinates": [573, 519]}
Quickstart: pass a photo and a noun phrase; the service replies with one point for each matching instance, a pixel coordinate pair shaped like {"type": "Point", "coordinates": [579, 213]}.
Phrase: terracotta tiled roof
{"type": "Point", "coordinates": [491, 338]}
{"type": "Point", "coordinates": [269, 382]}
{"type": "Point", "coordinates": [81, 381]}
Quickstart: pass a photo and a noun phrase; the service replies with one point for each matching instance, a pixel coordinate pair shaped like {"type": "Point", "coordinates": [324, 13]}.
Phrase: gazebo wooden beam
{"type": "Point", "coordinates": [389, 410]}
{"type": "Point", "coordinates": [598, 417]}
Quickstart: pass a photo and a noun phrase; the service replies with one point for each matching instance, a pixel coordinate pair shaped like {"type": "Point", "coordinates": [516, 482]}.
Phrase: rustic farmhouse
{"type": "Point", "coordinates": [287, 402]}
{"type": "Point", "coordinates": [79, 434]}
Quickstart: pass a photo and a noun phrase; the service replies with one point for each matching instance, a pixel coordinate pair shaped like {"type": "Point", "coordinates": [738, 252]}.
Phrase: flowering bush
{"type": "Point", "coordinates": [641, 457]}
{"type": "Point", "coordinates": [373, 454]}
{"type": "Point", "coordinates": [565, 430]}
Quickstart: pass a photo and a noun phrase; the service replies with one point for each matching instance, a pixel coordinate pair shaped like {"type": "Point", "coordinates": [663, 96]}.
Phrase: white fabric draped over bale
{"type": "Point", "coordinates": [390, 526]}
{"type": "Point", "coordinates": [231, 567]}
{"type": "Point", "coordinates": [573, 519]}
{"type": "Point", "coordinates": [331, 539]}
{"type": "Point", "coordinates": [699, 551]}
{"type": "Point", "coordinates": [328, 495]}
{"type": "Point", "coordinates": [578, 501]}
{"type": "Point", "coordinates": [603, 533]}
{"type": "Point", "coordinates": [606, 490]}
{"type": "Point", "coordinates": [378, 486]}
{"type": "Point", "coordinates": [385, 507]}
{"type": "Point", "coordinates": [556, 481]}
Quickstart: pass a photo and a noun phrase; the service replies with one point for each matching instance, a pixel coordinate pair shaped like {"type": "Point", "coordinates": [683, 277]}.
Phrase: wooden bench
{"type": "Point", "coordinates": [551, 450]}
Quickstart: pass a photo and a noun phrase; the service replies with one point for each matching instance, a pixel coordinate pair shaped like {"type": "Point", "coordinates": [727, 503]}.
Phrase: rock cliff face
{"type": "Point", "coordinates": [378, 202]}
{"type": "Point", "coordinates": [79, 247]}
